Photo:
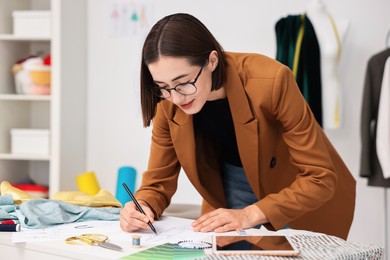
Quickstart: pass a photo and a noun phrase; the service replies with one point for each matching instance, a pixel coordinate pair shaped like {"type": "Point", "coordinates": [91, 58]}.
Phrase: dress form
{"type": "Point", "coordinates": [330, 33]}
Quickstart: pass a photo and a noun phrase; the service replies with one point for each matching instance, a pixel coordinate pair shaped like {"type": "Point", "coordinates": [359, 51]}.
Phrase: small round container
{"type": "Point", "coordinates": [136, 241]}
{"type": "Point", "coordinates": [41, 75]}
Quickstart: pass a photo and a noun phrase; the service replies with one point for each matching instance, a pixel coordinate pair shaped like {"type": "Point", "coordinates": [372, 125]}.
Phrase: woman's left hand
{"type": "Point", "coordinates": [223, 220]}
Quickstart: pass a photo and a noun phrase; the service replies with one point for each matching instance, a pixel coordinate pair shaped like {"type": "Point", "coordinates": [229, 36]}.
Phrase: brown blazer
{"type": "Point", "coordinates": [292, 167]}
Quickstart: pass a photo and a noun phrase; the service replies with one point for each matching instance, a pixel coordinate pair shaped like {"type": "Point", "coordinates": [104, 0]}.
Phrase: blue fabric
{"type": "Point", "coordinates": [7, 208]}
{"type": "Point", "coordinates": [41, 213]}
{"type": "Point", "coordinates": [238, 192]}
{"type": "Point", "coordinates": [6, 200]}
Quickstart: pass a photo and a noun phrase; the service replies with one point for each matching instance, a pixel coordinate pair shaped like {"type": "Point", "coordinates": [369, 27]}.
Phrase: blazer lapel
{"type": "Point", "coordinates": [246, 127]}
{"type": "Point", "coordinates": [182, 132]}
{"type": "Point", "coordinates": [183, 138]}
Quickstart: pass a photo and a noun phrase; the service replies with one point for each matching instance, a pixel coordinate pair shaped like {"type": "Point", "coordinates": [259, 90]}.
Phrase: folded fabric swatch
{"type": "Point", "coordinates": [102, 199]}
{"type": "Point", "coordinates": [41, 213]}
{"type": "Point", "coordinates": [18, 195]}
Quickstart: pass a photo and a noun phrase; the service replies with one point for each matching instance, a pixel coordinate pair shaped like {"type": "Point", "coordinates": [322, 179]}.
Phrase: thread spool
{"type": "Point", "coordinates": [136, 241]}
{"type": "Point", "coordinates": [128, 175]}
{"type": "Point", "coordinates": [88, 183]}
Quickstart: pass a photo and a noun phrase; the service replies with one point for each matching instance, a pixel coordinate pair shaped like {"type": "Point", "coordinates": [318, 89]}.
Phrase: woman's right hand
{"type": "Point", "coordinates": [131, 219]}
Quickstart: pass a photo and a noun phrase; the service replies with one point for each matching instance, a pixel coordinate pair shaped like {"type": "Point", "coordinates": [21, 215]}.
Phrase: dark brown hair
{"type": "Point", "coordinates": [177, 35]}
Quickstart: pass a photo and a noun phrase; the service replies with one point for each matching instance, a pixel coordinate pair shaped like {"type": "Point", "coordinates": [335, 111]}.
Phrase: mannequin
{"type": "Point", "coordinates": [330, 34]}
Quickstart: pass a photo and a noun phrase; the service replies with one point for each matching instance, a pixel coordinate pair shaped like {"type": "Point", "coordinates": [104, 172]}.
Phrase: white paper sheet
{"type": "Point", "coordinates": [169, 229]}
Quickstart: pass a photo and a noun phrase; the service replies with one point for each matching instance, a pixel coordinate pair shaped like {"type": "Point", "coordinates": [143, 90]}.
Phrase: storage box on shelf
{"type": "Point", "coordinates": [32, 23]}
{"type": "Point", "coordinates": [30, 141]}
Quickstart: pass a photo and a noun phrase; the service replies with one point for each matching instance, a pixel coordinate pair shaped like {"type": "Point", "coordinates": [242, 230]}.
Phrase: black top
{"type": "Point", "coordinates": [215, 121]}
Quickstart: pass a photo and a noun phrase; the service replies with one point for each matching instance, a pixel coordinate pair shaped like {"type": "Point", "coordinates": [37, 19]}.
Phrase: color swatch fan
{"type": "Point", "coordinates": [167, 251]}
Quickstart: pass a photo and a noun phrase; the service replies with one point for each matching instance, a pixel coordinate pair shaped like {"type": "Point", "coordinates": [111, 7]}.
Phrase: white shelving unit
{"type": "Point", "coordinates": [16, 97]}
{"type": "Point", "coordinates": [63, 112]}
{"type": "Point", "coordinates": [11, 37]}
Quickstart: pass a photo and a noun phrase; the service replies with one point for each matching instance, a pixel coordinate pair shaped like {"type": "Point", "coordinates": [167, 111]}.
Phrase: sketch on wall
{"type": "Point", "coordinates": [130, 18]}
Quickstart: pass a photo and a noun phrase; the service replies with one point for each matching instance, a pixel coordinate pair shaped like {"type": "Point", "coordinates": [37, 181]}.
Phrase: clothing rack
{"type": "Point", "coordinates": [386, 225]}
{"type": "Point", "coordinates": [387, 45]}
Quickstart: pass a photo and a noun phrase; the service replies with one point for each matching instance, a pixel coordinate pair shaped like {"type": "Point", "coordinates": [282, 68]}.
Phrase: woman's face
{"type": "Point", "coordinates": [167, 72]}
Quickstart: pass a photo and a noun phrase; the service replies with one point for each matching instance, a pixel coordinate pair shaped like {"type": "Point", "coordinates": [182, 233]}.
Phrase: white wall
{"type": "Point", "coordinates": [116, 136]}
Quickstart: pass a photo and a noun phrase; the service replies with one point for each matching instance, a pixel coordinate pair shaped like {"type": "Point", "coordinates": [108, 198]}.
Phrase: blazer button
{"type": "Point", "coordinates": [272, 162]}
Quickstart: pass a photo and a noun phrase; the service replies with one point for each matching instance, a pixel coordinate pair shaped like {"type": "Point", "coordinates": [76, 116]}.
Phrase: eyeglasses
{"type": "Point", "coordinates": [185, 89]}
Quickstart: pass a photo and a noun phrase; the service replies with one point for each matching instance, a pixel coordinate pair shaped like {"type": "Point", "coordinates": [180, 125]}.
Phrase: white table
{"type": "Point", "coordinates": [55, 250]}
{"type": "Point", "coordinates": [311, 245]}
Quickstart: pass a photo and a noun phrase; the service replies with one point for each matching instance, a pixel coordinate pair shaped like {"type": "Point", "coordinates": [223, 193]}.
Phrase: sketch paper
{"type": "Point", "coordinates": [169, 229]}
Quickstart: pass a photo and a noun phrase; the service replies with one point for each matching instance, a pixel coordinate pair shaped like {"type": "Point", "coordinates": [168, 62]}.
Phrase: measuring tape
{"type": "Point", "coordinates": [194, 244]}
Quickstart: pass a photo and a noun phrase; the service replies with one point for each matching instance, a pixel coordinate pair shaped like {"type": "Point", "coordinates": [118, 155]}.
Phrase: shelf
{"type": "Point", "coordinates": [29, 157]}
{"type": "Point", "coordinates": [19, 97]}
{"type": "Point", "coordinates": [66, 43]}
{"type": "Point", "coordinates": [11, 37]}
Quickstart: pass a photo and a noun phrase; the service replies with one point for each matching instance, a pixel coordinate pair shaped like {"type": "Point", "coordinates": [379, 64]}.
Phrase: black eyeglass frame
{"type": "Point", "coordinates": [152, 89]}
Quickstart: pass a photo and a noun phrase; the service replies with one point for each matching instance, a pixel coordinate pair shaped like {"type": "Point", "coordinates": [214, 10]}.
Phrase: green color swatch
{"type": "Point", "coordinates": [166, 251]}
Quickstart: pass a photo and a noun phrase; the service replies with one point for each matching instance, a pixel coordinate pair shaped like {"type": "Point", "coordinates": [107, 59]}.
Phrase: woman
{"type": "Point", "coordinates": [240, 129]}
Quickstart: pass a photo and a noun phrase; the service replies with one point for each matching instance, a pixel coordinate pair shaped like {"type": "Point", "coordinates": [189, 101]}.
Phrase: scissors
{"type": "Point", "coordinates": [93, 240]}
